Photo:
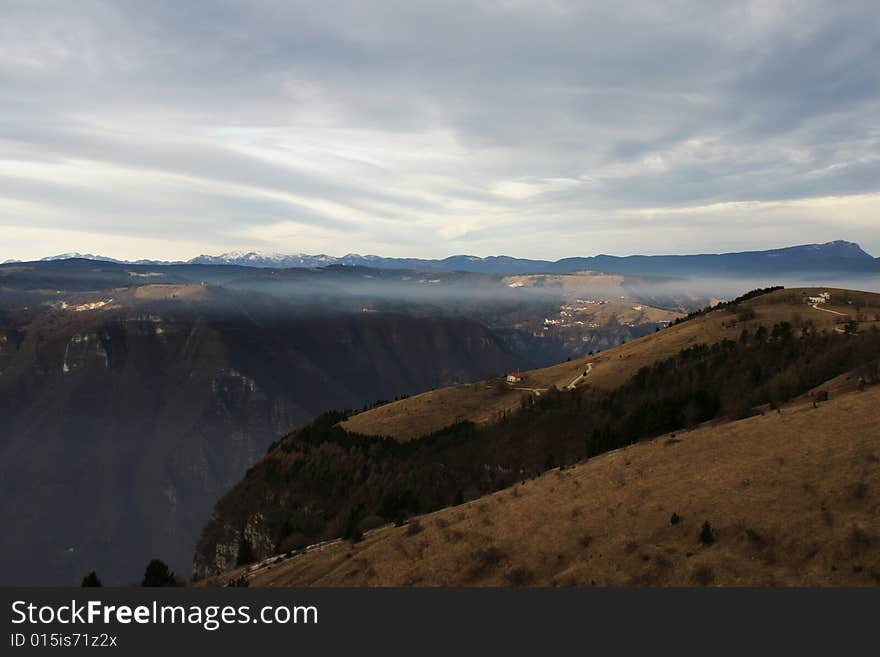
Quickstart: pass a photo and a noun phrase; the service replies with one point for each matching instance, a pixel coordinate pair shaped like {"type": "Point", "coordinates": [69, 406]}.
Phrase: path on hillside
{"type": "Point", "coordinates": [579, 377]}
{"type": "Point", "coordinates": [268, 562]}
{"type": "Point", "coordinates": [536, 391]}
{"type": "Point", "coordinates": [833, 312]}
{"type": "Point", "coordinates": [825, 310]}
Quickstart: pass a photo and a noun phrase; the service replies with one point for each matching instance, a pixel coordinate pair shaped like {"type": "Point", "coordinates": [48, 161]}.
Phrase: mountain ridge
{"type": "Point", "coordinates": [837, 256]}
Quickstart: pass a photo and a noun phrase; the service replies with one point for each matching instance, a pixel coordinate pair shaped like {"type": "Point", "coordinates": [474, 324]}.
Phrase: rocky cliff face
{"type": "Point", "coordinates": [124, 423]}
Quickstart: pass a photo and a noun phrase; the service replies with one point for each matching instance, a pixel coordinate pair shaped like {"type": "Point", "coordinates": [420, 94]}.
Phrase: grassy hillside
{"type": "Point", "coordinates": [484, 402]}
{"type": "Point", "coordinates": [323, 481]}
{"type": "Point", "coordinates": [792, 498]}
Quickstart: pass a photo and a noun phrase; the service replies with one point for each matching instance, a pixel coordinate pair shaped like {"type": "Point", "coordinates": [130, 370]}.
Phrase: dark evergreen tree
{"type": "Point", "coordinates": [353, 531]}
{"type": "Point", "coordinates": [158, 574]}
{"type": "Point", "coordinates": [245, 552]}
{"type": "Point", "coordinates": [91, 580]}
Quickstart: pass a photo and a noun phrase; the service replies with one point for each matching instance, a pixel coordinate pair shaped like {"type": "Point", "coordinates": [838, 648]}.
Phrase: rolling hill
{"type": "Point", "coordinates": [792, 499]}
{"type": "Point", "coordinates": [482, 402]}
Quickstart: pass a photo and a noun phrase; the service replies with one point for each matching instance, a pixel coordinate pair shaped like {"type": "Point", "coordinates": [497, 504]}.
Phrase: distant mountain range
{"type": "Point", "coordinates": [838, 257]}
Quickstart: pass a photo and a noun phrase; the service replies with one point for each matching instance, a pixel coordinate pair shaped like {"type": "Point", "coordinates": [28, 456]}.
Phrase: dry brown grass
{"type": "Point", "coordinates": [794, 498]}
{"type": "Point", "coordinates": [481, 402]}
{"type": "Point", "coordinates": [422, 414]}
{"type": "Point", "coordinates": [158, 292]}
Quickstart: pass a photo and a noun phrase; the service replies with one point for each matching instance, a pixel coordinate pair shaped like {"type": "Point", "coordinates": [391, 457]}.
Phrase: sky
{"type": "Point", "coordinates": [544, 129]}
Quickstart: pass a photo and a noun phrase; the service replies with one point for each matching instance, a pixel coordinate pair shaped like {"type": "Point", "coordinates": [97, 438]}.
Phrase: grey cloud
{"type": "Point", "coordinates": [679, 103]}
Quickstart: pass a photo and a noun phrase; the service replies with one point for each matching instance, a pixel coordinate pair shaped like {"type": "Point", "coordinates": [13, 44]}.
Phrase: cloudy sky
{"type": "Point", "coordinates": [534, 129]}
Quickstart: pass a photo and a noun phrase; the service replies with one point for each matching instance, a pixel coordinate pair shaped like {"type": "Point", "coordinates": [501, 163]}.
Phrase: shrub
{"type": "Point", "coordinates": [453, 536]}
{"type": "Point", "coordinates": [707, 534]}
{"type": "Point", "coordinates": [484, 560]}
{"type": "Point", "coordinates": [519, 576]}
{"type": "Point", "coordinates": [758, 541]}
{"type": "Point", "coordinates": [674, 519]}
{"type": "Point", "coordinates": [860, 491]}
{"type": "Point", "coordinates": [704, 576]}
{"type": "Point", "coordinates": [859, 540]}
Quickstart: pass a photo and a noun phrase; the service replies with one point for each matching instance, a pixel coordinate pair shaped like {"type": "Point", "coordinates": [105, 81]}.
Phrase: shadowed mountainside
{"type": "Point", "coordinates": [127, 412]}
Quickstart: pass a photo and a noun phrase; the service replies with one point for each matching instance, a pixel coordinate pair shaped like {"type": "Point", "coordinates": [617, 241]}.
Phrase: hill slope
{"type": "Point", "coordinates": [482, 402]}
{"type": "Point", "coordinates": [324, 481]}
{"type": "Point", "coordinates": [793, 498]}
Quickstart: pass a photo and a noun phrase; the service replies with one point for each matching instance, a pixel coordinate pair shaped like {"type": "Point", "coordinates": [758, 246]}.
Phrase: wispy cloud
{"type": "Point", "coordinates": [528, 128]}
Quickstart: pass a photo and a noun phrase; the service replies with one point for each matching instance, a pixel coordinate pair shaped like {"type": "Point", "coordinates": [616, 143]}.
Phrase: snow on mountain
{"type": "Point", "coordinates": [832, 256]}
{"type": "Point", "coordinates": [83, 256]}
{"type": "Point", "coordinates": [259, 259]}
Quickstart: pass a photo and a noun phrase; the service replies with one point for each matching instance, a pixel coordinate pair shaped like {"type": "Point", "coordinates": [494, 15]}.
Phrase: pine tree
{"type": "Point", "coordinates": [245, 552]}
{"type": "Point", "coordinates": [91, 580]}
{"type": "Point", "coordinates": [158, 574]}
{"type": "Point", "coordinates": [353, 531]}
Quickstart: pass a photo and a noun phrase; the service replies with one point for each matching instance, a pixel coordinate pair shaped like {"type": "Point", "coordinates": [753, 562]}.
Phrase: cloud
{"type": "Point", "coordinates": [414, 128]}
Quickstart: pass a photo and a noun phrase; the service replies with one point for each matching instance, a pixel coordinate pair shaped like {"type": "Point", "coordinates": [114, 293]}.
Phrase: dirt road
{"type": "Point", "coordinates": [579, 377]}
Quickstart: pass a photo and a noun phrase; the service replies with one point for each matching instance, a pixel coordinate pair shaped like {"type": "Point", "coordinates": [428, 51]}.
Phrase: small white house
{"type": "Point", "coordinates": [823, 297]}
{"type": "Point", "coordinates": [515, 377]}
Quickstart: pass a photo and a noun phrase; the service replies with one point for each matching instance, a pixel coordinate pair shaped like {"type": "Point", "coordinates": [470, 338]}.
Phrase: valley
{"type": "Point", "coordinates": [127, 412]}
